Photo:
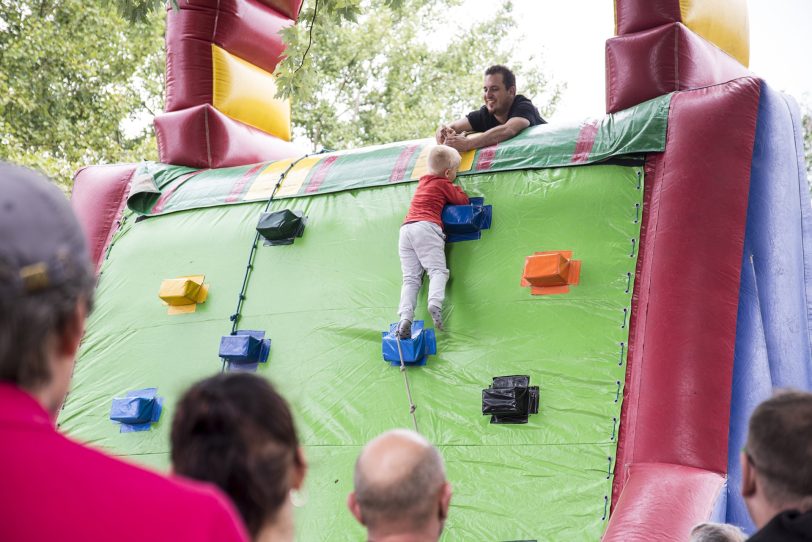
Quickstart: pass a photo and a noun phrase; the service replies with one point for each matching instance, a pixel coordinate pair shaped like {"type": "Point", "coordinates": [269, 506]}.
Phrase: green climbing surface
{"type": "Point", "coordinates": [324, 301]}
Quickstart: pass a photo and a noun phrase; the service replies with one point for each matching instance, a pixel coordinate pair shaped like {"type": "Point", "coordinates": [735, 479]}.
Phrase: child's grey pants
{"type": "Point", "coordinates": [421, 247]}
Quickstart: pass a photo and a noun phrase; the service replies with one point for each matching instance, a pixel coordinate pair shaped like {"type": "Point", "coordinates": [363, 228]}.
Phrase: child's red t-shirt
{"type": "Point", "coordinates": [432, 194]}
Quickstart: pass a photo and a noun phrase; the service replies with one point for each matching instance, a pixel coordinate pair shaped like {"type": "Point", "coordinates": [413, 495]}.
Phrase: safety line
{"type": "Point", "coordinates": [235, 318]}
{"type": "Point", "coordinates": [412, 406]}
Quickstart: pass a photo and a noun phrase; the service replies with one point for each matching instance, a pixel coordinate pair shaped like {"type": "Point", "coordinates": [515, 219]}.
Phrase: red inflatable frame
{"type": "Point", "coordinates": [676, 407]}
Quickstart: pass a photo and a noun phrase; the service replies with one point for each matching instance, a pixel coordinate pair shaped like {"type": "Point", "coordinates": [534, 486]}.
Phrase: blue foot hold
{"type": "Point", "coordinates": [245, 348]}
{"type": "Point", "coordinates": [137, 410]}
{"type": "Point", "coordinates": [415, 350]}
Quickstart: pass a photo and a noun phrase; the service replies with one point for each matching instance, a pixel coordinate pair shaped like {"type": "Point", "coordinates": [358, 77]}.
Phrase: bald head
{"type": "Point", "coordinates": [399, 478]}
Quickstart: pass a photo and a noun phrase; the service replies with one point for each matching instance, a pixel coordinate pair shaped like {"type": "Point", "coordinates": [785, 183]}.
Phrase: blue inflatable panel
{"type": "Point", "coordinates": [415, 350]}
{"type": "Point", "coordinates": [720, 506]}
{"type": "Point", "coordinates": [751, 385]}
{"type": "Point", "coordinates": [137, 410]}
{"type": "Point", "coordinates": [773, 329]}
{"type": "Point", "coordinates": [466, 222]}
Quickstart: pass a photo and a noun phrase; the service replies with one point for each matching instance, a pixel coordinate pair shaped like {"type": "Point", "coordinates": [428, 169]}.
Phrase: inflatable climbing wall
{"type": "Point", "coordinates": [684, 211]}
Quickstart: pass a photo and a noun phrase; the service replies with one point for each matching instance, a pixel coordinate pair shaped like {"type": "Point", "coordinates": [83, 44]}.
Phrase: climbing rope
{"type": "Point", "coordinates": [235, 318]}
{"type": "Point", "coordinates": [412, 406]}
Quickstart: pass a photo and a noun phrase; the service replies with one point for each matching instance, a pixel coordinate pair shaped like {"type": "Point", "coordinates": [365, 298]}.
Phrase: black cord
{"type": "Point", "coordinates": [235, 318]}
{"type": "Point", "coordinates": [310, 39]}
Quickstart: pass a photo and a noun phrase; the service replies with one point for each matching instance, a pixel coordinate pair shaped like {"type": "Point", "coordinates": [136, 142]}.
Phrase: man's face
{"type": "Point", "coordinates": [498, 99]}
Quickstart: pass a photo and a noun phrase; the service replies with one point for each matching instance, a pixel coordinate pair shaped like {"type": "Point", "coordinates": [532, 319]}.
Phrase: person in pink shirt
{"type": "Point", "coordinates": [52, 488]}
{"type": "Point", "coordinates": [421, 243]}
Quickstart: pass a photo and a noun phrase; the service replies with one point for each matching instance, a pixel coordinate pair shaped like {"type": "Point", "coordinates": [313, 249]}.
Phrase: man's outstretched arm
{"type": "Point", "coordinates": [493, 136]}
{"type": "Point", "coordinates": [454, 128]}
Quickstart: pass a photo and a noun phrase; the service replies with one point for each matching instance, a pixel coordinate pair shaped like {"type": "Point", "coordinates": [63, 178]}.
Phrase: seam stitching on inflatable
{"type": "Point", "coordinates": [676, 56]}
{"type": "Point", "coordinates": [216, 19]}
{"type": "Point", "coordinates": [208, 139]}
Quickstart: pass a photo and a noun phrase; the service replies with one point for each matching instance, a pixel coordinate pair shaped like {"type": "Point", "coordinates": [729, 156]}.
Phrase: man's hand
{"type": "Point", "coordinates": [459, 142]}
{"type": "Point", "coordinates": [443, 132]}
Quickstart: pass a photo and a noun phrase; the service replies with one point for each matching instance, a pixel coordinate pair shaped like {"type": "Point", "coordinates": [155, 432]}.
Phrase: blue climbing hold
{"type": "Point", "coordinates": [245, 350]}
{"type": "Point", "coordinates": [245, 346]}
{"type": "Point", "coordinates": [466, 222]}
{"type": "Point", "coordinates": [137, 410]}
{"type": "Point", "coordinates": [415, 350]}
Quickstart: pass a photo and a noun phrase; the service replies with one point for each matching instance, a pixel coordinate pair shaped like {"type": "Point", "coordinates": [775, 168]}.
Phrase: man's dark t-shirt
{"type": "Point", "coordinates": [481, 120]}
{"type": "Point", "coordinates": [788, 526]}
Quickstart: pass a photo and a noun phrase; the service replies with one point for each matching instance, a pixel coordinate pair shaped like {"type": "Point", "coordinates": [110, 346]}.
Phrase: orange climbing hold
{"type": "Point", "coordinates": [551, 272]}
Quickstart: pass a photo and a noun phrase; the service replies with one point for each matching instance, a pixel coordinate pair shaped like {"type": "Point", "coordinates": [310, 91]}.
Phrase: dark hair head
{"type": "Point", "coordinates": [507, 76]}
{"type": "Point", "coordinates": [779, 445]}
{"type": "Point", "coordinates": [44, 273]}
{"type": "Point", "coordinates": [236, 431]}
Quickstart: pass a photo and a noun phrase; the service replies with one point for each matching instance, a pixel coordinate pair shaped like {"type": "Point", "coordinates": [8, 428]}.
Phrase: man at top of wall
{"type": "Point", "coordinates": [503, 116]}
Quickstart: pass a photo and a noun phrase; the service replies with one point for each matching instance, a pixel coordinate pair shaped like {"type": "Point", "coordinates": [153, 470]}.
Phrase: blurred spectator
{"type": "Point", "coordinates": [777, 468]}
{"type": "Point", "coordinates": [52, 488]}
{"type": "Point", "coordinates": [717, 532]}
{"type": "Point", "coordinates": [401, 492]}
{"type": "Point", "coordinates": [236, 431]}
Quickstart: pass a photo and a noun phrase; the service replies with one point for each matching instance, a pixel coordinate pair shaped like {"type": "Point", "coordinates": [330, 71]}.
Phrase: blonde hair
{"type": "Point", "coordinates": [441, 158]}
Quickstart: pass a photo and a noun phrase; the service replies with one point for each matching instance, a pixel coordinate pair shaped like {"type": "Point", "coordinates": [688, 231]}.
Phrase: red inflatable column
{"type": "Point", "coordinates": [98, 198]}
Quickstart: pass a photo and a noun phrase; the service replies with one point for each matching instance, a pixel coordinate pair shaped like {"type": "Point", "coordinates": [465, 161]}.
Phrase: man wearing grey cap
{"type": "Point", "coordinates": [52, 488]}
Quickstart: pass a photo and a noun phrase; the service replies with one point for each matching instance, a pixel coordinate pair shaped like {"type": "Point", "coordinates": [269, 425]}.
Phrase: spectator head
{"type": "Point", "coordinates": [777, 460]}
{"type": "Point", "coordinates": [235, 431]}
{"type": "Point", "coordinates": [444, 161]}
{"type": "Point", "coordinates": [717, 532]}
{"type": "Point", "coordinates": [508, 79]}
{"type": "Point", "coordinates": [46, 285]}
{"type": "Point", "coordinates": [400, 487]}
{"type": "Point", "coordinates": [499, 90]}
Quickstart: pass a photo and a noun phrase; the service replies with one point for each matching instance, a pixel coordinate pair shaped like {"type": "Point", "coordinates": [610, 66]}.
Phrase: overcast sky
{"type": "Point", "coordinates": [569, 37]}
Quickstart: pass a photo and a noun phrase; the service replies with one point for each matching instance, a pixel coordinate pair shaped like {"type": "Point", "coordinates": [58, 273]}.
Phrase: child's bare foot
{"type": "Point", "coordinates": [437, 316]}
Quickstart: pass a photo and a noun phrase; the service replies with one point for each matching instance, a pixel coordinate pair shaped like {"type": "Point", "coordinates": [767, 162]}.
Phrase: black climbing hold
{"type": "Point", "coordinates": [510, 399]}
{"type": "Point", "coordinates": [281, 227]}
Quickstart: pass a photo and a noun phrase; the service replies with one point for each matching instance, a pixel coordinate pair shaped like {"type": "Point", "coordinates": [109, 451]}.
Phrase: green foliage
{"type": "Point", "coordinates": [381, 79]}
{"type": "Point", "coordinates": [71, 72]}
{"type": "Point", "coordinates": [139, 10]}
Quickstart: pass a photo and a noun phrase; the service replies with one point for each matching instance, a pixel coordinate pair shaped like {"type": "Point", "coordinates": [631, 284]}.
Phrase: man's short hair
{"type": "Point", "coordinates": [443, 157]}
{"type": "Point", "coordinates": [779, 446]}
{"type": "Point", "coordinates": [507, 76]}
{"type": "Point", "coordinates": [44, 272]}
{"type": "Point", "coordinates": [411, 498]}
{"type": "Point", "coordinates": [717, 532]}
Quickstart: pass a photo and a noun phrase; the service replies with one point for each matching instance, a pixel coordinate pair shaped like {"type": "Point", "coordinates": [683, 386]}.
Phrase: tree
{"type": "Point", "coordinates": [360, 72]}
{"type": "Point", "coordinates": [71, 72]}
{"type": "Point", "coordinates": [379, 78]}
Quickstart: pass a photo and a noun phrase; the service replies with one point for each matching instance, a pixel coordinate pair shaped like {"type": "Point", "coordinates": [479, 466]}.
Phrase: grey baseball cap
{"type": "Point", "coordinates": [41, 242]}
